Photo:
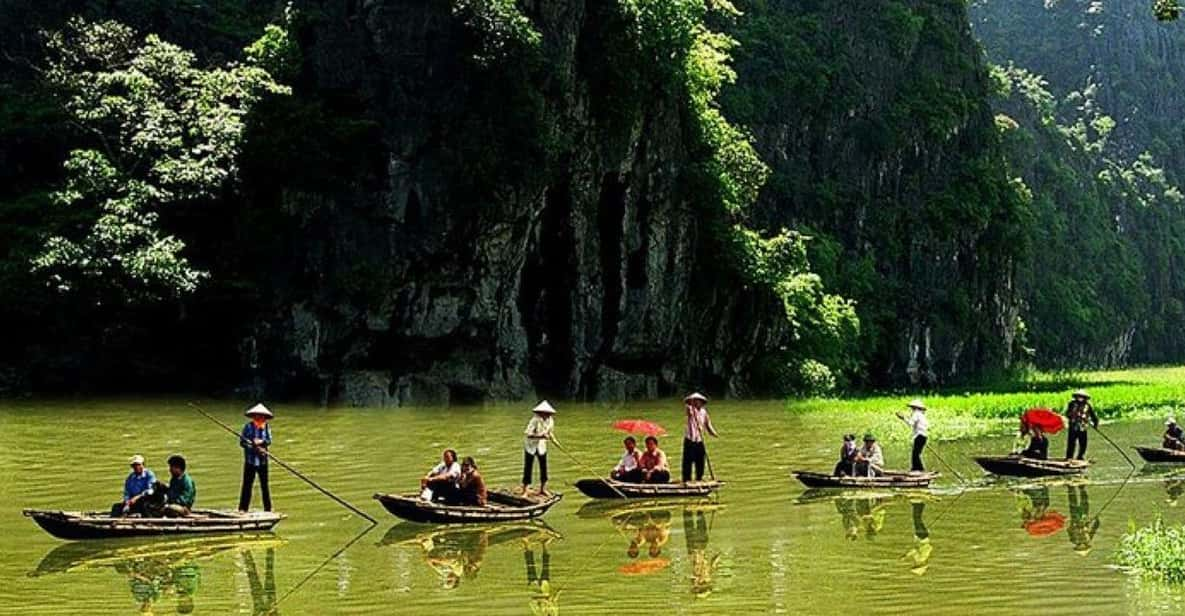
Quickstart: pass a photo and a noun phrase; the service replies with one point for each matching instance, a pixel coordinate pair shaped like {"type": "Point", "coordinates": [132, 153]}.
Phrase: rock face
{"type": "Point", "coordinates": [580, 274]}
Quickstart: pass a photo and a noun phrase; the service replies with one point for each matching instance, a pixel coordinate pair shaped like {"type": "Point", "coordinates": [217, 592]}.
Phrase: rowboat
{"type": "Point", "coordinates": [889, 479]}
{"type": "Point", "coordinates": [1161, 455]}
{"type": "Point", "coordinates": [1020, 466]}
{"type": "Point", "coordinates": [500, 507]}
{"type": "Point", "coordinates": [604, 488]}
{"type": "Point", "coordinates": [100, 525]}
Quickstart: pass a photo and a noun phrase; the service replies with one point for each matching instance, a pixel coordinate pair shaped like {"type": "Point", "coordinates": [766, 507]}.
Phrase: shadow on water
{"type": "Point", "coordinates": [156, 570]}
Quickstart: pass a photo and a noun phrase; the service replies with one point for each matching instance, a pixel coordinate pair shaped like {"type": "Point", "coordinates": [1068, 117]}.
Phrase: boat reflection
{"type": "Point", "coordinates": [155, 570]}
{"type": "Point", "coordinates": [456, 554]}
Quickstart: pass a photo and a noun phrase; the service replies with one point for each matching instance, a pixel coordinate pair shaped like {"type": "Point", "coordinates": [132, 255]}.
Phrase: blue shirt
{"type": "Point", "coordinates": [135, 485]}
{"type": "Point", "coordinates": [247, 442]}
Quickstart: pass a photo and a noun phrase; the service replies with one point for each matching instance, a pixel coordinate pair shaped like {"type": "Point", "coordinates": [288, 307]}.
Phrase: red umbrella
{"type": "Point", "coordinates": [1047, 420]}
{"type": "Point", "coordinates": [639, 426]}
{"type": "Point", "coordinates": [644, 567]}
{"type": "Point", "coordinates": [1045, 525]}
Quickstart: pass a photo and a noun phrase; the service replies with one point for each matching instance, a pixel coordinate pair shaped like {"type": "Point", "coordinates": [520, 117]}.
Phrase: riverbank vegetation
{"type": "Point", "coordinates": [1116, 394]}
{"type": "Point", "coordinates": [1156, 550]}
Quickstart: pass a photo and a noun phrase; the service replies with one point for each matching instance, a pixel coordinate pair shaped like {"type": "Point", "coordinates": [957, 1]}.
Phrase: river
{"type": "Point", "coordinates": [764, 545]}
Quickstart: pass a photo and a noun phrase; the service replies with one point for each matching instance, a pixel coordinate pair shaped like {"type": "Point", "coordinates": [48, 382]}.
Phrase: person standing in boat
{"type": "Point", "coordinates": [540, 429]}
{"type": "Point", "coordinates": [1174, 436]}
{"type": "Point", "coordinates": [653, 464]}
{"type": "Point", "coordinates": [920, 426]}
{"type": "Point", "coordinates": [255, 438]}
{"type": "Point", "coordinates": [138, 489]}
{"type": "Point", "coordinates": [182, 492]}
{"type": "Point", "coordinates": [698, 422]}
{"type": "Point", "coordinates": [628, 469]}
{"type": "Point", "coordinates": [1078, 412]}
{"type": "Point", "coordinates": [870, 460]}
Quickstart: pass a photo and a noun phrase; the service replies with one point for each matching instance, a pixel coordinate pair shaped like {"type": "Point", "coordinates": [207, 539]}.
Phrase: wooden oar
{"type": "Point", "coordinates": [588, 470]}
{"type": "Point", "coordinates": [1117, 448]}
{"type": "Point", "coordinates": [288, 468]}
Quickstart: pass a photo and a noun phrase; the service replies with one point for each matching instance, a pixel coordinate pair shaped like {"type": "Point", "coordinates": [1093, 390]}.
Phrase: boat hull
{"type": "Point", "coordinates": [604, 488]}
{"type": "Point", "coordinates": [1159, 455]}
{"type": "Point", "coordinates": [1017, 466]}
{"type": "Point", "coordinates": [891, 479]}
{"type": "Point", "coordinates": [77, 525]}
{"type": "Point", "coordinates": [503, 507]}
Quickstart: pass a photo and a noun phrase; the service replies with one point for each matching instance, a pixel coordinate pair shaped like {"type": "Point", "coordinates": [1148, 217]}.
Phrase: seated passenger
{"type": "Point", "coordinates": [471, 488]}
{"type": "Point", "coordinates": [628, 468]}
{"type": "Point", "coordinates": [440, 483]}
{"type": "Point", "coordinates": [847, 456]}
{"type": "Point", "coordinates": [139, 491]}
{"type": "Point", "coordinates": [181, 492]}
{"type": "Point", "coordinates": [870, 460]}
{"type": "Point", "coordinates": [1038, 448]}
{"type": "Point", "coordinates": [1174, 436]}
{"type": "Point", "coordinates": [654, 463]}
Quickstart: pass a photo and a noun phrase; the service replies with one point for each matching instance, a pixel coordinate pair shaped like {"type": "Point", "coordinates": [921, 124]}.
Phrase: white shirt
{"type": "Point", "coordinates": [873, 454]}
{"type": "Point", "coordinates": [697, 423]}
{"type": "Point", "coordinates": [453, 470]}
{"type": "Point", "coordinates": [538, 427]}
{"type": "Point", "coordinates": [919, 423]}
{"type": "Point", "coordinates": [628, 462]}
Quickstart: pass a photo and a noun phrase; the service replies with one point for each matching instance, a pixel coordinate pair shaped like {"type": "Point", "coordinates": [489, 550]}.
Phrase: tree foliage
{"type": "Point", "coordinates": [158, 132]}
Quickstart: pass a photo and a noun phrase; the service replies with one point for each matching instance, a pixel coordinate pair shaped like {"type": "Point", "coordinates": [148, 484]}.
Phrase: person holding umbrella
{"type": "Point", "coordinates": [698, 422]}
{"type": "Point", "coordinates": [255, 438]}
{"type": "Point", "coordinates": [1078, 412]}
{"type": "Point", "coordinates": [540, 430]}
{"type": "Point", "coordinates": [921, 427]}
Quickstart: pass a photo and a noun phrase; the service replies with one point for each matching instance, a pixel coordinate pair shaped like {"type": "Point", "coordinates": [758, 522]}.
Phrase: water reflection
{"type": "Point", "coordinates": [457, 554]}
{"type": "Point", "coordinates": [918, 556]}
{"type": "Point", "coordinates": [544, 598]}
{"type": "Point", "coordinates": [263, 592]}
{"type": "Point", "coordinates": [155, 571]}
{"type": "Point", "coordinates": [862, 516]}
{"type": "Point", "coordinates": [1173, 489]}
{"type": "Point", "coordinates": [1036, 518]}
{"type": "Point", "coordinates": [696, 530]}
{"type": "Point", "coordinates": [1082, 527]}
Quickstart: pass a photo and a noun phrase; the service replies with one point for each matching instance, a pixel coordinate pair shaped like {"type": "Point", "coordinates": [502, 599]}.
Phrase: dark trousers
{"type": "Point", "coordinates": [693, 453]}
{"type": "Point", "coordinates": [634, 476]}
{"type": "Point", "coordinates": [445, 491]}
{"type": "Point", "coordinates": [659, 477]}
{"type": "Point", "coordinates": [528, 460]}
{"type": "Point", "coordinates": [249, 473]}
{"type": "Point", "coordinates": [844, 467]}
{"type": "Point", "coordinates": [919, 443]}
{"type": "Point", "coordinates": [1075, 437]}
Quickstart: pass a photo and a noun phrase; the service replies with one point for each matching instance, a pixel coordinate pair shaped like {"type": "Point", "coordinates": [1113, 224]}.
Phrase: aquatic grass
{"type": "Point", "coordinates": [1135, 393]}
{"type": "Point", "coordinates": [1156, 550]}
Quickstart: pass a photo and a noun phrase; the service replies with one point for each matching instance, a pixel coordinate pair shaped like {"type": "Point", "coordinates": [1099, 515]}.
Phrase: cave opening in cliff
{"type": "Point", "coordinates": [545, 296]}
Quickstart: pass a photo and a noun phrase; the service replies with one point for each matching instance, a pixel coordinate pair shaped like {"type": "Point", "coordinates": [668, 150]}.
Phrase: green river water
{"type": "Point", "coordinates": [762, 546]}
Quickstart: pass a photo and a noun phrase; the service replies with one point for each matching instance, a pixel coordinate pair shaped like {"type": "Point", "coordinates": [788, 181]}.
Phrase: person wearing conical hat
{"type": "Point", "coordinates": [920, 426]}
{"type": "Point", "coordinates": [1078, 413]}
{"type": "Point", "coordinates": [698, 423]}
{"type": "Point", "coordinates": [540, 430]}
{"type": "Point", "coordinates": [1174, 436]}
{"type": "Point", "coordinates": [255, 438]}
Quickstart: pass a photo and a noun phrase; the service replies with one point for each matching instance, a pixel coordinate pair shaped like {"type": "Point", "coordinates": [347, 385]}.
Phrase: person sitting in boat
{"type": "Point", "coordinates": [1038, 448]}
{"type": "Point", "coordinates": [653, 463]}
{"type": "Point", "coordinates": [471, 487]}
{"type": "Point", "coordinates": [847, 456]}
{"type": "Point", "coordinates": [628, 468]}
{"type": "Point", "coordinates": [870, 460]}
{"type": "Point", "coordinates": [139, 490]}
{"type": "Point", "coordinates": [182, 492]}
{"type": "Point", "coordinates": [1174, 436]}
{"type": "Point", "coordinates": [441, 482]}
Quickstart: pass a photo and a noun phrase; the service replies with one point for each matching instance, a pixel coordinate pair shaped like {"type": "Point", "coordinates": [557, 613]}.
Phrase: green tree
{"type": "Point", "coordinates": [159, 131]}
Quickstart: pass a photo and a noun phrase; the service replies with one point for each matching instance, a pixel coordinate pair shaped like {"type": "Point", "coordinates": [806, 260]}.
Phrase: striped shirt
{"type": "Point", "coordinates": [247, 442]}
{"type": "Point", "coordinates": [697, 422]}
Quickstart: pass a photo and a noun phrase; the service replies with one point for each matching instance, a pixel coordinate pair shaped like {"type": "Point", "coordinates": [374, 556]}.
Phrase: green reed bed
{"type": "Point", "coordinates": [1116, 394]}
{"type": "Point", "coordinates": [1156, 550]}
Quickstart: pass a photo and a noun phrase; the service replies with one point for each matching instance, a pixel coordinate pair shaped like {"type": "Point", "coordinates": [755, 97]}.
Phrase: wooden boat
{"type": "Point", "coordinates": [890, 479]}
{"type": "Point", "coordinates": [500, 507]}
{"type": "Point", "coordinates": [100, 525]}
{"type": "Point", "coordinates": [1161, 455]}
{"type": "Point", "coordinates": [604, 488]}
{"type": "Point", "coordinates": [1019, 466]}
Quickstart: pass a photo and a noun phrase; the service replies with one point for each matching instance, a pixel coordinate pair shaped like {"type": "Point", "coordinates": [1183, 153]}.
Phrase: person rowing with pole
{"type": "Point", "coordinates": [920, 426]}
{"type": "Point", "coordinates": [1078, 413]}
{"type": "Point", "coordinates": [698, 422]}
